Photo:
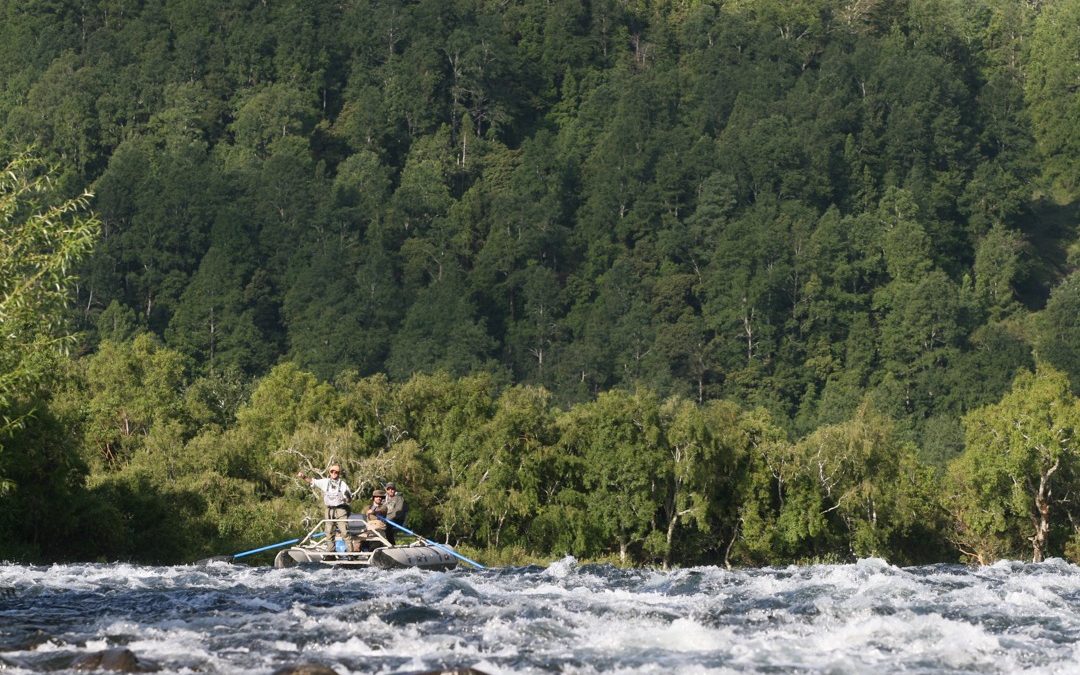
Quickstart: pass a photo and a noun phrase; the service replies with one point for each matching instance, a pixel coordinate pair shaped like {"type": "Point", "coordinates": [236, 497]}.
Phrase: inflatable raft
{"type": "Point", "coordinates": [366, 547]}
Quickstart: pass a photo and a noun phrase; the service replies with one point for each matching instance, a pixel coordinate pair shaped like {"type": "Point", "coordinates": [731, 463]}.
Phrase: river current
{"type": "Point", "coordinates": [566, 617]}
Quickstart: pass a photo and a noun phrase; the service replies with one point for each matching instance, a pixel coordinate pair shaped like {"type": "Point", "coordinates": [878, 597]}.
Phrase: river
{"type": "Point", "coordinates": [567, 617]}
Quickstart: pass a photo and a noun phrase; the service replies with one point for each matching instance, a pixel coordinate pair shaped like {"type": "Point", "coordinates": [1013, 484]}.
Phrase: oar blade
{"type": "Point", "coordinates": [234, 556]}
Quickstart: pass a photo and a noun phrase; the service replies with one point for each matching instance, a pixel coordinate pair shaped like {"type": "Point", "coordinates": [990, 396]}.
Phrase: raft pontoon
{"type": "Point", "coordinates": [366, 547]}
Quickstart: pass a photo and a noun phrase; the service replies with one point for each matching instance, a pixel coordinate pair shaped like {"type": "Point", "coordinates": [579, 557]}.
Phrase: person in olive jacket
{"type": "Point", "coordinates": [396, 509]}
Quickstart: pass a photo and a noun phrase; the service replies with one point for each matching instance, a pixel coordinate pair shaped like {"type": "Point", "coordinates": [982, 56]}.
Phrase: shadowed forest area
{"type": "Point", "coordinates": [671, 282]}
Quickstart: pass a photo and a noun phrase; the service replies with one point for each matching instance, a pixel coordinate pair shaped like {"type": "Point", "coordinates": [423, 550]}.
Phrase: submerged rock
{"type": "Point", "coordinates": [305, 669]}
{"type": "Point", "coordinates": [320, 669]}
{"type": "Point", "coordinates": [448, 671]}
{"type": "Point", "coordinates": [120, 660]}
{"type": "Point", "coordinates": [23, 641]}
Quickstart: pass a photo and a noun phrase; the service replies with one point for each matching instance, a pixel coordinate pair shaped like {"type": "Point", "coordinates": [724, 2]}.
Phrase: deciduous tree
{"type": "Point", "coordinates": [1011, 488]}
{"type": "Point", "coordinates": [42, 237]}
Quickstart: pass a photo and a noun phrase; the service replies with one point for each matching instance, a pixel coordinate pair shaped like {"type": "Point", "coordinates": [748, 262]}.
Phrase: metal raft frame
{"type": "Point", "coordinates": [312, 549]}
{"type": "Point", "coordinates": [317, 551]}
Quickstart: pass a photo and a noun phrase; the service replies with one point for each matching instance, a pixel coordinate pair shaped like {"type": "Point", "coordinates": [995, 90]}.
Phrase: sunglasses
{"type": "Point", "coordinates": [334, 471]}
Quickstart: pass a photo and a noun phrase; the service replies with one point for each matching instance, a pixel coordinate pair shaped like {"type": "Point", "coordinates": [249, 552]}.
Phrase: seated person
{"type": "Point", "coordinates": [375, 526]}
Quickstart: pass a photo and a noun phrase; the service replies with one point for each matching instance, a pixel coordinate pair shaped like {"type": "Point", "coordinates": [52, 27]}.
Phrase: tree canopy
{"type": "Point", "coordinates": [668, 281]}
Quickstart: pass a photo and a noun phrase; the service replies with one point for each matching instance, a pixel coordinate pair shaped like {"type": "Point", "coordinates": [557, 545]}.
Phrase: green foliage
{"type": "Point", "coordinates": [329, 330]}
{"type": "Point", "coordinates": [441, 332]}
{"type": "Point", "coordinates": [619, 443]}
{"type": "Point", "coordinates": [215, 324]}
{"type": "Point", "coordinates": [1051, 93]}
{"type": "Point", "coordinates": [853, 489]}
{"type": "Point", "coordinates": [45, 494]}
{"type": "Point", "coordinates": [1059, 330]}
{"type": "Point", "coordinates": [998, 267]}
{"type": "Point", "coordinates": [440, 242]}
{"type": "Point", "coordinates": [1009, 490]}
{"type": "Point", "coordinates": [282, 402]}
{"type": "Point", "coordinates": [699, 199]}
{"type": "Point", "coordinates": [42, 237]}
{"type": "Point", "coordinates": [709, 447]}
{"type": "Point", "coordinates": [506, 488]}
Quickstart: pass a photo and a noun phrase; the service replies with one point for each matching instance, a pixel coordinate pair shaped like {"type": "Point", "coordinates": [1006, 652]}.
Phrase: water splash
{"type": "Point", "coordinates": [566, 617]}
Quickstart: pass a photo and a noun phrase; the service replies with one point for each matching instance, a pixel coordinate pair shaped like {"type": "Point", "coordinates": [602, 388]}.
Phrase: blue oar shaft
{"type": "Point", "coordinates": [277, 545]}
{"type": "Point", "coordinates": [433, 543]}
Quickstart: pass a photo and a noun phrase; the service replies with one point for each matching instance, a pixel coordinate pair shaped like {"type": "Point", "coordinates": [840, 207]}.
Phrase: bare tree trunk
{"type": "Point", "coordinates": [1041, 516]}
{"type": "Point", "coordinates": [498, 528]}
{"type": "Point", "coordinates": [670, 537]}
{"type": "Point", "coordinates": [734, 537]}
{"type": "Point", "coordinates": [748, 329]}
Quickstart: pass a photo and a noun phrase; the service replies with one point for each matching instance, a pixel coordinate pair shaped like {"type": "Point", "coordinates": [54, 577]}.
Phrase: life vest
{"type": "Point", "coordinates": [335, 492]}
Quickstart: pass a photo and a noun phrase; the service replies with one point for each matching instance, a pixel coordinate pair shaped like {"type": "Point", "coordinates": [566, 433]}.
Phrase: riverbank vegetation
{"type": "Point", "coordinates": [671, 281]}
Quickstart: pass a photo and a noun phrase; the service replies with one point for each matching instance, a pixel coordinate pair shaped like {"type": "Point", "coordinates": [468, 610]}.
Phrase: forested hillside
{"type": "Point", "coordinates": [682, 281]}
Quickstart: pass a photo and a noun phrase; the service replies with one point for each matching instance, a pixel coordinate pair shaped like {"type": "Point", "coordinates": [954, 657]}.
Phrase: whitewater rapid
{"type": "Point", "coordinates": [566, 617]}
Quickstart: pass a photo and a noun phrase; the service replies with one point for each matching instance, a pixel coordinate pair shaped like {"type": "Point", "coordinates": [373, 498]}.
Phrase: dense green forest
{"type": "Point", "coordinates": [666, 281]}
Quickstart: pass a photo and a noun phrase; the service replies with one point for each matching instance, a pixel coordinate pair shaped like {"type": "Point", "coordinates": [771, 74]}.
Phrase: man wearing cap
{"type": "Point", "coordinates": [395, 510]}
{"type": "Point", "coordinates": [336, 496]}
{"type": "Point", "coordinates": [375, 526]}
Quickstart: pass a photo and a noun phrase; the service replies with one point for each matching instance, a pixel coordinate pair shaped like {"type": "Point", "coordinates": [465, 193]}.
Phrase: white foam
{"type": "Point", "coordinates": [681, 635]}
{"type": "Point", "coordinates": [560, 569]}
{"type": "Point", "coordinates": [862, 617]}
{"type": "Point", "coordinates": [52, 646]}
{"type": "Point", "coordinates": [353, 646]}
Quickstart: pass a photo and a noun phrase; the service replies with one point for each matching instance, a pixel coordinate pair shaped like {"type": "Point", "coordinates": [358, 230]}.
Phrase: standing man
{"type": "Point", "coordinates": [396, 510]}
{"type": "Point", "coordinates": [336, 496]}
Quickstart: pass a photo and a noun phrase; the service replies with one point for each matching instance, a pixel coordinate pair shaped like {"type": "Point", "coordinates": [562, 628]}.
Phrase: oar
{"type": "Point", "coordinates": [433, 543]}
{"type": "Point", "coordinates": [234, 556]}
